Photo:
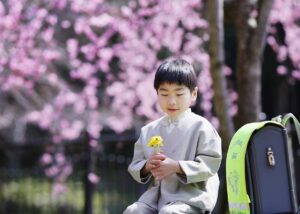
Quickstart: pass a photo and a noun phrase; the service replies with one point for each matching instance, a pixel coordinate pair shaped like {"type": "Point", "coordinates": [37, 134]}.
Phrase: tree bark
{"type": "Point", "coordinates": [250, 46]}
{"type": "Point", "coordinates": [221, 102]}
{"type": "Point", "coordinates": [216, 52]}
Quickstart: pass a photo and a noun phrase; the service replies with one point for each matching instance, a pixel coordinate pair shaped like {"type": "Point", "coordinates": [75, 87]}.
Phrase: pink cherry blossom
{"type": "Point", "coordinates": [93, 178]}
{"type": "Point", "coordinates": [58, 189]}
{"type": "Point", "coordinates": [72, 47]}
{"type": "Point", "coordinates": [46, 158]}
{"type": "Point", "coordinates": [287, 14]}
{"type": "Point", "coordinates": [281, 70]}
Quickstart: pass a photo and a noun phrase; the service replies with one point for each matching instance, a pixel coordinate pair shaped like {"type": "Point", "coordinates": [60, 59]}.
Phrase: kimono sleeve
{"type": "Point", "coordinates": [138, 162]}
{"type": "Point", "coordinates": [208, 156]}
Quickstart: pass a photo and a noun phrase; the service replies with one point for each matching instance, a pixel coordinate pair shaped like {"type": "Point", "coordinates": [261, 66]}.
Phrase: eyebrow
{"type": "Point", "coordinates": [176, 89]}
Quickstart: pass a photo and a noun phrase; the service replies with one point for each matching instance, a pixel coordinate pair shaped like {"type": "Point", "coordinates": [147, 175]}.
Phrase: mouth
{"type": "Point", "coordinates": [172, 109]}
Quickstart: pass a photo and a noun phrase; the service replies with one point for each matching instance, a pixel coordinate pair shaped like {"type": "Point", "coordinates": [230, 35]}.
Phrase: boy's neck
{"type": "Point", "coordinates": [178, 117]}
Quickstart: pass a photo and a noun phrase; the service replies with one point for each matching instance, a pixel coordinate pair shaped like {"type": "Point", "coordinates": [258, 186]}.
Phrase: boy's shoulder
{"type": "Point", "coordinates": [198, 121]}
{"type": "Point", "coordinates": [154, 123]}
{"type": "Point", "coordinates": [198, 118]}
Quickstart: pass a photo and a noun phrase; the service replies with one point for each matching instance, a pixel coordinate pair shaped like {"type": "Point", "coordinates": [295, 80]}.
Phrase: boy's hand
{"type": "Point", "coordinates": [165, 168]}
{"type": "Point", "coordinates": [153, 162]}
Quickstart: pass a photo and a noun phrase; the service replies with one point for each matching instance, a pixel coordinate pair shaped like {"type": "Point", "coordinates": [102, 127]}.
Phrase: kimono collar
{"type": "Point", "coordinates": [167, 120]}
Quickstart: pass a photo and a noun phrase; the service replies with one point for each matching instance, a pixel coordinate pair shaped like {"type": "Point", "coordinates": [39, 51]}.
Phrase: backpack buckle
{"type": "Point", "coordinates": [271, 158]}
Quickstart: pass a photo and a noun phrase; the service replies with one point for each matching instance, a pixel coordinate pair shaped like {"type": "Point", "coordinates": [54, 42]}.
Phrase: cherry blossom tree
{"type": "Point", "coordinates": [285, 15]}
{"type": "Point", "coordinates": [92, 56]}
{"type": "Point", "coordinates": [74, 67]}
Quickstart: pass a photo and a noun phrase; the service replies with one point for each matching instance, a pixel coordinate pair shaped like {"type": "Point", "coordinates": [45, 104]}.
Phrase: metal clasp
{"type": "Point", "coordinates": [271, 158]}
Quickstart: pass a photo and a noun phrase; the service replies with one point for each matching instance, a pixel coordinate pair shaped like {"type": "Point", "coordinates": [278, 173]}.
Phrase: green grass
{"type": "Point", "coordinates": [36, 193]}
{"type": "Point", "coordinates": [33, 195]}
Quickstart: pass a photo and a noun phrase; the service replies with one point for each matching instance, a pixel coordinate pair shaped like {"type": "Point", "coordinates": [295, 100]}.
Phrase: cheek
{"type": "Point", "coordinates": [161, 102]}
{"type": "Point", "coordinates": [188, 101]}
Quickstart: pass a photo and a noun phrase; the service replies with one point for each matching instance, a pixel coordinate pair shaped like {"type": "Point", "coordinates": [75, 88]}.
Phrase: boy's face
{"type": "Point", "coordinates": [174, 99]}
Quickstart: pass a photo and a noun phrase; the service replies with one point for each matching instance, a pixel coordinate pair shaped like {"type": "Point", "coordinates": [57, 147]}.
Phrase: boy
{"type": "Point", "coordinates": [184, 175]}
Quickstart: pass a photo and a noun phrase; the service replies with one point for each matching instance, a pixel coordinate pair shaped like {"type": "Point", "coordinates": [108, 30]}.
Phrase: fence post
{"type": "Point", "coordinates": [89, 186]}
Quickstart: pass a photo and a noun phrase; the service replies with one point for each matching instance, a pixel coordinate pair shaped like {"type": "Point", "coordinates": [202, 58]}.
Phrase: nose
{"type": "Point", "coordinates": [171, 100]}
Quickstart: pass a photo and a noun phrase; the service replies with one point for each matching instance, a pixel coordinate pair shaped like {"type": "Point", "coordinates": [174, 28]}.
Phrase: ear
{"type": "Point", "coordinates": [194, 94]}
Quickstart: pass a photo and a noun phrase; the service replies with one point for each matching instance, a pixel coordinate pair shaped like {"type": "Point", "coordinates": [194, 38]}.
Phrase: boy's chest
{"type": "Point", "coordinates": [179, 144]}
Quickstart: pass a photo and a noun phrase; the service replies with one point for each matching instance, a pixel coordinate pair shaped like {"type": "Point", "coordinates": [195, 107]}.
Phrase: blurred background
{"type": "Point", "coordinates": [76, 86]}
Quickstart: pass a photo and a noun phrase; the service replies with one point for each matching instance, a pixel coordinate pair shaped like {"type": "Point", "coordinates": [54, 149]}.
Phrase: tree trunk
{"type": "Point", "coordinates": [251, 33]}
{"type": "Point", "coordinates": [216, 52]}
{"type": "Point", "coordinates": [221, 102]}
{"type": "Point", "coordinates": [250, 43]}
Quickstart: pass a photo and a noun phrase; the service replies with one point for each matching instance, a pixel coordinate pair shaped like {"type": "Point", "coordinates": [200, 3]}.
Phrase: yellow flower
{"type": "Point", "coordinates": [155, 141]}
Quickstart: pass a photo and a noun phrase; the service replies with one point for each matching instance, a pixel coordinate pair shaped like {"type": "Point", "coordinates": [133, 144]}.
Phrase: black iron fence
{"type": "Point", "coordinates": [30, 191]}
{"type": "Point", "coordinates": [24, 187]}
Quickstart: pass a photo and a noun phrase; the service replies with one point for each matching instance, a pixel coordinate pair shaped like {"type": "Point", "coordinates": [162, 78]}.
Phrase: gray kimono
{"type": "Point", "coordinates": [192, 141]}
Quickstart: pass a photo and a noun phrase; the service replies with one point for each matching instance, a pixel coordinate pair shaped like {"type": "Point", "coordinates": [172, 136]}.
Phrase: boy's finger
{"type": "Point", "coordinates": [155, 162]}
{"type": "Point", "coordinates": [159, 156]}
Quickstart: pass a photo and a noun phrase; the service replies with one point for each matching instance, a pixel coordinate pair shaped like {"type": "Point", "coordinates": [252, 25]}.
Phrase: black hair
{"type": "Point", "coordinates": [176, 71]}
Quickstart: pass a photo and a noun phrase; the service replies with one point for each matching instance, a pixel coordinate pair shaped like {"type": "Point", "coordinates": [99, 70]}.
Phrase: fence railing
{"type": "Point", "coordinates": [30, 191]}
